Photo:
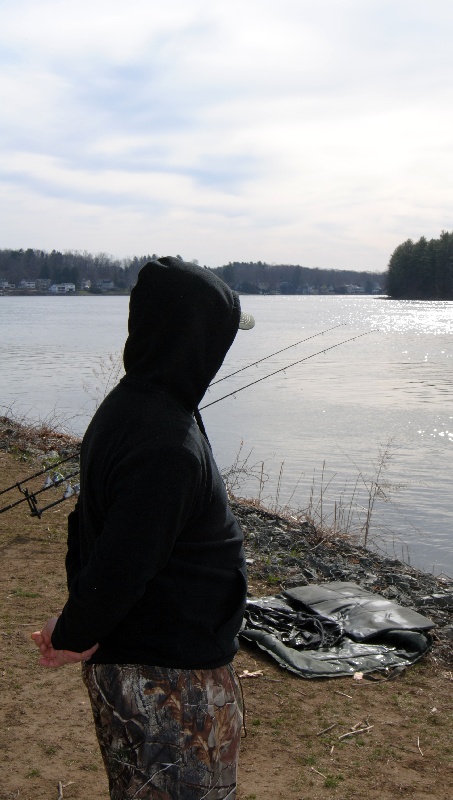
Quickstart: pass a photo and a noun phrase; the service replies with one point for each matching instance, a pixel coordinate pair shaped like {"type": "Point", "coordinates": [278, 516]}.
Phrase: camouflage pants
{"type": "Point", "coordinates": [167, 734]}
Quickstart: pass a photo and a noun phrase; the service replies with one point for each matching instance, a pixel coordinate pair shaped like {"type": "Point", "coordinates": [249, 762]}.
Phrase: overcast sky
{"type": "Point", "coordinates": [317, 132]}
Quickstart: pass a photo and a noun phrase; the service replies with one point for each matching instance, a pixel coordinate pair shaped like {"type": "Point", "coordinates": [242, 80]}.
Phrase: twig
{"type": "Point", "coordinates": [353, 733]}
{"type": "Point", "coordinates": [310, 550]}
{"type": "Point", "coordinates": [319, 773]}
{"type": "Point", "coordinates": [400, 747]}
{"type": "Point", "coordinates": [257, 674]}
{"type": "Point", "coordinates": [61, 786]}
{"type": "Point", "coordinates": [418, 745]}
{"type": "Point", "coordinates": [327, 729]}
{"type": "Point", "coordinates": [344, 695]}
{"type": "Point", "coordinates": [360, 724]}
{"type": "Point", "coordinates": [27, 624]}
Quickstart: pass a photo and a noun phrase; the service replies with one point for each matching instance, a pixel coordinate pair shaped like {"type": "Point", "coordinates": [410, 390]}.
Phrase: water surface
{"type": "Point", "coordinates": [376, 409]}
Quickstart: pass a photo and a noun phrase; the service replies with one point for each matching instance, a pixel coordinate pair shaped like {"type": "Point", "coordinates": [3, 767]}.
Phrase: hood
{"type": "Point", "coordinates": [182, 321]}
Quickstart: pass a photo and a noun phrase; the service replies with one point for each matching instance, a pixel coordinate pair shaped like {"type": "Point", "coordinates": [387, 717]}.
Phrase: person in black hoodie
{"type": "Point", "coordinates": [155, 562]}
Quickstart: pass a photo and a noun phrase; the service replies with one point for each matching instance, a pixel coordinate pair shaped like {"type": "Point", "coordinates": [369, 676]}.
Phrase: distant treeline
{"type": "Point", "coordinates": [422, 270]}
{"type": "Point", "coordinates": [252, 277]}
{"type": "Point", "coordinates": [69, 267]}
{"type": "Point", "coordinates": [259, 277]}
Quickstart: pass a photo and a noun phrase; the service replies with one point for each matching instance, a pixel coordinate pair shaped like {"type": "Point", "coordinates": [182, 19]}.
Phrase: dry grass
{"type": "Point", "coordinates": [296, 745]}
{"type": "Point", "coordinates": [351, 514]}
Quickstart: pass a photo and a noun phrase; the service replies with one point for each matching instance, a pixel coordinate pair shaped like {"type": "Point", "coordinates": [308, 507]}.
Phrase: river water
{"type": "Point", "coordinates": [369, 419]}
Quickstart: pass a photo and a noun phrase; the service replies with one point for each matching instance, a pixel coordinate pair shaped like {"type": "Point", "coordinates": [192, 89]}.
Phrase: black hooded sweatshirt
{"type": "Point", "coordinates": [155, 563]}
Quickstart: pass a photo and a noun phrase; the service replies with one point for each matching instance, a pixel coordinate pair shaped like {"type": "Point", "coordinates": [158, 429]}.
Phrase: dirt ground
{"type": "Point", "coordinates": [304, 739]}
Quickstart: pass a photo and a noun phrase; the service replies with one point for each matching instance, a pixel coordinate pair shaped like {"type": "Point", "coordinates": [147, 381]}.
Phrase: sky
{"type": "Point", "coordinates": [312, 132]}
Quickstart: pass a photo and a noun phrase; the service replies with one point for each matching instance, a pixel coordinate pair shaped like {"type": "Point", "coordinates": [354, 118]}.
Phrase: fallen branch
{"type": "Point", "coordinates": [353, 733]}
{"type": "Point", "coordinates": [61, 786]}
{"type": "Point", "coordinates": [327, 729]}
{"type": "Point", "coordinates": [257, 674]}
{"type": "Point", "coordinates": [401, 747]}
{"type": "Point", "coordinates": [319, 773]}
{"type": "Point", "coordinates": [364, 724]}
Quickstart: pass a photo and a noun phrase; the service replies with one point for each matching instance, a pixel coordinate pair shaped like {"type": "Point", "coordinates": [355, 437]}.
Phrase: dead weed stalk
{"type": "Point", "coordinates": [351, 514]}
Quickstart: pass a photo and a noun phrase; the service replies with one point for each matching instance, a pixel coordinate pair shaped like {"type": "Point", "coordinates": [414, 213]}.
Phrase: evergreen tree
{"type": "Point", "coordinates": [422, 271]}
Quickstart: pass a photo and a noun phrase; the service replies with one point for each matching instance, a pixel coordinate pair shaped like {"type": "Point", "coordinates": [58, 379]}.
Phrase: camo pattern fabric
{"type": "Point", "coordinates": [167, 734]}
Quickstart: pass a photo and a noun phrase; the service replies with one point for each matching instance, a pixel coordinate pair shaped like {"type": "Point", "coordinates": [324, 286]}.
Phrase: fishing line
{"type": "Point", "coordinates": [288, 366]}
{"type": "Point", "coordinates": [321, 333]}
{"type": "Point", "coordinates": [30, 497]}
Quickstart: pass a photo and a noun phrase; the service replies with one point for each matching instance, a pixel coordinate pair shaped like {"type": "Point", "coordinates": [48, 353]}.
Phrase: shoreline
{"type": "Point", "coordinates": [280, 551]}
{"type": "Point", "coordinates": [375, 736]}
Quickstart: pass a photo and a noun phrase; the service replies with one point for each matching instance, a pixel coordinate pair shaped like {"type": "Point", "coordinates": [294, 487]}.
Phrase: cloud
{"type": "Point", "coordinates": [322, 129]}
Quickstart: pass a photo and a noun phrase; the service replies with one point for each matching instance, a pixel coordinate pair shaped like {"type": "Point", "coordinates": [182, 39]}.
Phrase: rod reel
{"type": "Point", "coordinates": [52, 481]}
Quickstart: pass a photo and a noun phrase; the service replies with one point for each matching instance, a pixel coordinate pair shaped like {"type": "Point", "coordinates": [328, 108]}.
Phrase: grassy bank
{"type": "Point", "coordinates": [341, 738]}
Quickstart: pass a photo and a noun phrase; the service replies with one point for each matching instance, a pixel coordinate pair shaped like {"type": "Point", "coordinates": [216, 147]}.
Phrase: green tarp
{"type": "Point", "coordinates": [336, 629]}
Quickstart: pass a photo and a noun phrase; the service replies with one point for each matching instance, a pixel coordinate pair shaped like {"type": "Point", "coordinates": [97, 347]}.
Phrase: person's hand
{"type": "Point", "coordinates": [57, 658]}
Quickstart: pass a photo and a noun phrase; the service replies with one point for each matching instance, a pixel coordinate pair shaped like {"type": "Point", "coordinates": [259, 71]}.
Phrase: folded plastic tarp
{"type": "Point", "coordinates": [336, 629]}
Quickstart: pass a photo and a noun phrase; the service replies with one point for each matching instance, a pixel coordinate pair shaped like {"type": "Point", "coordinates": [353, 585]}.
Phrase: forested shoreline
{"type": "Point", "coordinates": [82, 269]}
{"type": "Point", "coordinates": [422, 270]}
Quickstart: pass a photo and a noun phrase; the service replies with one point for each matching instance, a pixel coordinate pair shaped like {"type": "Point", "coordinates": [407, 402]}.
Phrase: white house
{"type": "Point", "coordinates": [62, 288]}
{"type": "Point", "coordinates": [351, 288]}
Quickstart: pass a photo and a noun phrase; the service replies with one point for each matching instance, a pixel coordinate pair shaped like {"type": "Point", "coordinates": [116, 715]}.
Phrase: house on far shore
{"type": "Point", "coordinates": [42, 284]}
{"type": "Point", "coordinates": [352, 288]}
{"type": "Point", "coordinates": [62, 288]}
{"type": "Point", "coordinates": [105, 285]}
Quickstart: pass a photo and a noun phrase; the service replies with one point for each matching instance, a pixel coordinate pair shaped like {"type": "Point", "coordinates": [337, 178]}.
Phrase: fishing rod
{"type": "Point", "coordinates": [30, 496]}
{"type": "Point", "coordinates": [40, 472]}
{"type": "Point", "coordinates": [288, 366]}
{"type": "Point", "coordinates": [254, 363]}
